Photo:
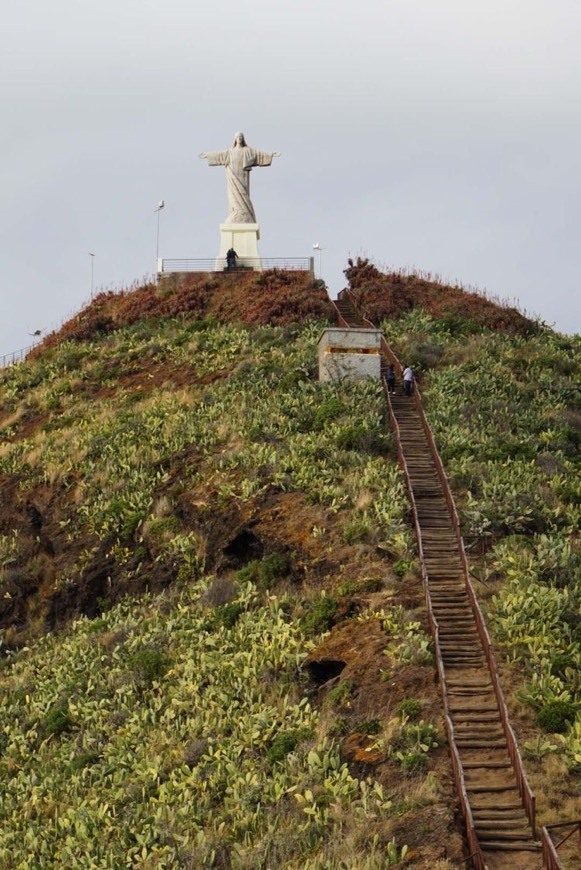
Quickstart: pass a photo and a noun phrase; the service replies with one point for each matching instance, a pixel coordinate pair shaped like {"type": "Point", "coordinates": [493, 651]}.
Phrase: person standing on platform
{"type": "Point", "coordinates": [231, 257]}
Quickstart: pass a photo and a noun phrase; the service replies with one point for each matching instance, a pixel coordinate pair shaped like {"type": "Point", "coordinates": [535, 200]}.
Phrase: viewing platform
{"type": "Point", "coordinates": [219, 264]}
{"type": "Point", "coordinates": [16, 356]}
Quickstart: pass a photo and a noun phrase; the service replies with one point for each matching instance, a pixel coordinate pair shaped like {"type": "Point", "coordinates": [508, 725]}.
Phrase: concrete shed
{"type": "Point", "coordinates": [349, 353]}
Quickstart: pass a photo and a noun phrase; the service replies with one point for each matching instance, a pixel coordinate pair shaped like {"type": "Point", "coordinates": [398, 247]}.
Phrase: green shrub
{"type": "Point", "coordinates": [97, 626]}
{"type": "Point", "coordinates": [555, 716]}
{"type": "Point", "coordinates": [560, 663]}
{"type": "Point", "coordinates": [370, 726]}
{"type": "Point", "coordinates": [264, 572]}
{"type": "Point", "coordinates": [355, 532]}
{"type": "Point", "coordinates": [286, 742]}
{"type": "Point", "coordinates": [340, 727]}
{"type": "Point", "coordinates": [359, 437]}
{"type": "Point", "coordinates": [359, 587]}
{"type": "Point", "coordinates": [249, 573]}
{"type": "Point", "coordinates": [401, 567]}
{"type": "Point", "coordinates": [320, 615]}
{"type": "Point", "coordinates": [340, 693]}
{"type": "Point", "coordinates": [413, 762]}
{"type": "Point", "coordinates": [148, 664]}
{"type": "Point", "coordinates": [227, 615]}
{"type": "Point", "coordinates": [328, 410]}
{"type": "Point", "coordinates": [409, 708]}
{"type": "Point", "coordinates": [56, 721]}
{"type": "Point", "coordinates": [421, 737]}
{"type": "Point", "coordinates": [348, 438]}
{"type": "Point", "coordinates": [272, 568]}
{"type": "Point", "coordinates": [426, 354]}
{"type": "Point", "coordinates": [82, 761]}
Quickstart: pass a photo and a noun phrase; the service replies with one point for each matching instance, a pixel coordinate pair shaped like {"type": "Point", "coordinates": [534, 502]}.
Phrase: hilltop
{"type": "Point", "coordinates": [217, 646]}
{"type": "Point", "coordinates": [275, 297]}
{"type": "Point", "coordinates": [391, 295]}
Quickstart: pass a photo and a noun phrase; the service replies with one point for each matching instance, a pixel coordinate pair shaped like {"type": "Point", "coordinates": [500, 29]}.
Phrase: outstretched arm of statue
{"type": "Point", "coordinates": [263, 158]}
{"type": "Point", "coordinates": [215, 158]}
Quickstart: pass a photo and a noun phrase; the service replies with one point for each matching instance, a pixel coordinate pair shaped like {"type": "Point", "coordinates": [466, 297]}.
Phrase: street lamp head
{"type": "Point", "coordinates": [317, 247]}
{"type": "Point", "coordinates": [160, 205]}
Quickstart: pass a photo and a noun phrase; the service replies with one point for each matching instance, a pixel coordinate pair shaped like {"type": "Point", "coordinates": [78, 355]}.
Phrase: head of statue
{"type": "Point", "coordinates": [239, 141]}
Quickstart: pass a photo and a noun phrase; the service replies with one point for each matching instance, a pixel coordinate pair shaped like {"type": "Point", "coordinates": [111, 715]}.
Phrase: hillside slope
{"type": "Point", "coordinates": [176, 481]}
{"type": "Point", "coordinates": [206, 511]}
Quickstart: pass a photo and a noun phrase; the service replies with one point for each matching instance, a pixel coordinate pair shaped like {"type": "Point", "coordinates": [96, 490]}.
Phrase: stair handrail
{"type": "Point", "coordinates": [551, 860]}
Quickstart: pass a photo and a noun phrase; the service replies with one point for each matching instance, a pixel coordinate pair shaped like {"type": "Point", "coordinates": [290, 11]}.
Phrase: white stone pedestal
{"type": "Point", "coordinates": [244, 239]}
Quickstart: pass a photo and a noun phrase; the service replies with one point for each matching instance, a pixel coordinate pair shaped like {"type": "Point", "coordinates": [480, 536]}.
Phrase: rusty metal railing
{"type": "Point", "coordinates": [220, 264]}
{"type": "Point", "coordinates": [551, 859]}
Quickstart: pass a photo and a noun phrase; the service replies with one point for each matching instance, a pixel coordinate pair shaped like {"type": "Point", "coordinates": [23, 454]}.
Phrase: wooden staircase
{"type": "Point", "coordinates": [500, 821]}
{"type": "Point", "coordinates": [499, 831]}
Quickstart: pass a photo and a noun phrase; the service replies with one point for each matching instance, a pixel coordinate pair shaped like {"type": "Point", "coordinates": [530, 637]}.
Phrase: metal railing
{"type": "Point", "coordinates": [219, 264]}
{"type": "Point", "coordinates": [9, 359]}
{"type": "Point", "coordinates": [551, 860]}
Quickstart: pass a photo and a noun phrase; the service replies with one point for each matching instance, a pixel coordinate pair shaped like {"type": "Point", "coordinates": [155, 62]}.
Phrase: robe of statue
{"type": "Point", "coordinates": [239, 161]}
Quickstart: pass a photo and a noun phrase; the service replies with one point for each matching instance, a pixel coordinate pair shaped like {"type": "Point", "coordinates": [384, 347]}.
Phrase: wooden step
{"type": "Point", "coordinates": [517, 846]}
{"type": "Point", "coordinates": [498, 805]}
{"type": "Point", "coordinates": [507, 836]}
{"type": "Point", "coordinates": [477, 717]}
{"type": "Point", "coordinates": [472, 732]}
{"type": "Point", "coordinates": [487, 789]}
{"type": "Point", "coordinates": [482, 709]}
{"type": "Point", "coordinates": [493, 812]}
{"type": "Point", "coordinates": [507, 829]}
{"type": "Point", "coordinates": [501, 812]}
{"type": "Point", "coordinates": [469, 684]}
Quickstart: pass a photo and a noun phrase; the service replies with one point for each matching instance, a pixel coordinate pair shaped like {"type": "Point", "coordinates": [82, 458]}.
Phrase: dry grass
{"type": "Point", "coordinates": [364, 500]}
{"type": "Point", "coordinates": [557, 793]}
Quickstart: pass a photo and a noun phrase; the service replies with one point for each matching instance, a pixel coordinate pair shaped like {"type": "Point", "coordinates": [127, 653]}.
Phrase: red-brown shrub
{"type": "Point", "coordinates": [385, 296]}
{"type": "Point", "coordinates": [274, 297]}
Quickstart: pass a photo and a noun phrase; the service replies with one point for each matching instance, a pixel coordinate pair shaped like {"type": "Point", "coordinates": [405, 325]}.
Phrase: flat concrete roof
{"type": "Point", "coordinates": [340, 336]}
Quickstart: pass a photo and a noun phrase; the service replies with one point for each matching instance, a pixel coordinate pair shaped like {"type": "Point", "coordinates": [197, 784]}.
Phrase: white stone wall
{"type": "Point", "coordinates": [339, 358]}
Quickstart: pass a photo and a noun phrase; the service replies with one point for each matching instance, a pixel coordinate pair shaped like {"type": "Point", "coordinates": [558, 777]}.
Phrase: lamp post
{"type": "Point", "coordinates": [92, 256]}
{"type": "Point", "coordinates": [160, 207]}
{"type": "Point", "coordinates": [317, 247]}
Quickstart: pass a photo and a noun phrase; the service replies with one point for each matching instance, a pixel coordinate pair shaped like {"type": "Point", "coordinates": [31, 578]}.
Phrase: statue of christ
{"type": "Point", "coordinates": [239, 161]}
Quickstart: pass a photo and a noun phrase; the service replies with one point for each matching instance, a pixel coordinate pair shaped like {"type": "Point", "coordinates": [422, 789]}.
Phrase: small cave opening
{"type": "Point", "coordinates": [243, 548]}
{"type": "Point", "coordinates": [323, 670]}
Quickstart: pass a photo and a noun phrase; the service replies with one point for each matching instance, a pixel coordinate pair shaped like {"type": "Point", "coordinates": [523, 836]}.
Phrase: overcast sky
{"type": "Point", "coordinates": [438, 134]}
